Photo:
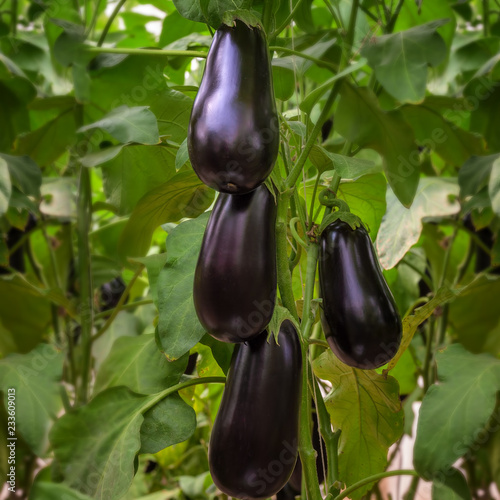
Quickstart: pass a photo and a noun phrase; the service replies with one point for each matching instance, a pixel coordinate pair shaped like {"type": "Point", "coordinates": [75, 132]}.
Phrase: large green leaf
{"type": "Point", "coordinates": [456, 409]}
{"type": "Point", "coordinates": [136, 363]}
{"type": "Point", "coordinates": [178, 326]}
{"type": "Point", "coordinates": [183, 196]}
{"type": "Point", "coordinates": [475, 173]}
{"type": "Point", "coordinates": [48, 491]}
{"type": "Point", "coordinates": [133, 171]}
{"type": "Point", "coordinates": [401, 228]}
{"type": "Point", "coordinates": [435, 133]}
{"type": "Point", "coordinates": [24, 173]}
{"type": "Point", "coordinates": [366, 199]}
{"type": "Point", "coordinates": [95, 445]}
{"type": "Point", "coordinates": [137, 124]}
{"type": "Point", "coordinates": [172, 110]}
{"type": "Point", "coordinates": [47, 143]}
{"type": "Point", "coordinates": [154, 264]}
{"type": "Point", "coordinates": [35, 378]}
{"type": "Point", "coordinates": [475, 317]}
{"type": "Point", "coordinates": [451, 486]}
{"type": "Point", "coordinates": [360, 120]}
{"type": "Point", "coordinates": [400, 60]}
{"type": "Point", "coordinates": [169, 422]}
{"type": "Point", "coordinates": [366, 407]}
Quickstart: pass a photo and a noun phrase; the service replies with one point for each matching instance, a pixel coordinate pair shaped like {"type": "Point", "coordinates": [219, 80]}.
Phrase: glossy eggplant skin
{"type": "Point", "coordinates": [359, 315]}
{"type": "Point", "coordinates": [235, 279]}
{"type": "Point", "coordinates": [253, 446]}
{"type": "Point", "coordinates": [233, 134]}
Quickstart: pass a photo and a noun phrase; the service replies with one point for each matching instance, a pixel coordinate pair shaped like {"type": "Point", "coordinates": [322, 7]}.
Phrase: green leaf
{"type": "Point", "coordinates": [283, 78]}
{"type": "Point", "coordinates": [154, 264]}
{"type": "Point", "coordinates": [360, 120]}
{"type": "Point", "coordinates": [35, 378]}
{"type": "Point", "coordinates": [494, 187]}
{"type": "Point", "coordinates": [475, 174]}
{"type": "Point", "coordinates": [346, 166]}
{"type": "Point", "coordinates": [183, 196]}
{"type": "Point", "coordinates": [366, 407]}
{"type": "Point", "coordinates": [169, 422]}
{"type": "Point", "coordinates": [366, 199]}
{"type": "Point", "coordinates": [182, 156]}
{"type": "Point", "coordinates": [135, 171]}
{"type": "Point", "coordinates": [48, 491]}
{"type": "Point", "coordinates": [432, 131]}
{"type": "Point", "coordinates": [24, 173]}
{"type": "Point", "coordinates": [401, 228]}
{"type": "Point", "coordinates": [99, 441]}
{"type": "Point", "coordinates": [136, 363]}
{"type": "Point", "coordinates": [172, 109]}
{"type": "Point", "coordinates": [178, 326]}
{"type": "Point", "coordinates": [137, 124]}
{"type": "Point", "coordinates": [452, 487]}
{"type": "Point", "coordinates": [454, 410]}
{"type": "Point", "coordinates": [47, 143]}
{"type": "Point", "coordinates": [475, 317]}
{"type": "Point", "coordinates": [248, 17]}
{"type": "Point", "coordinates": [5, 186]}
{"type": "Point", "coordinates": [400, 60]}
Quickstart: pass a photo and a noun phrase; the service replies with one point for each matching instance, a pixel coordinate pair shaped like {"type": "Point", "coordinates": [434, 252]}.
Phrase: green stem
{"type": "Point", "coordinates": [313, 199]}
{"type": "Point", "coordinates": [267, 15]}
{"type": "Point", "coordinates": [286, 22]}
{"type": "Point", "coordinates": [372, 479]}
{"type": "Point", "coordinates": [319, 62]}
{"type": "Point", "coordinates": [176, 388]}
{"type": "Point", "coordinates": [13, 17]}
{"type": "Point", "coordinates": [93, 21]}
{"type": "Point", "coordinates": [284, 275]}
{"type": "Point", "coordinates": [312, 258]}
{"type": "Point", "coordinates": [130, 305]}
{"type": "Point", "coordinates": [84, 223]}
{"type": "Point", "coordinates": [319, 342]}
{"type": "Point", "coordinates": [149, 52]}
{"type": "Point", "coordinates": [325, 113]}
{"type": "Point", "coordinates": [119, 306]}
{"type": "Point", "coordinates": [392, 23]}
{"type": "Point", "coordinates": [486, 17]}
{"type": "Point", "coordinates": [412, 490]}
{"type": "Point", "coordinates": [306, 448]}
{"type": "Point", "coordinates": [428, 353]}
{"type": "Point", "coordinates": [111, 18]}
{"type": "Point", "coordinates": [422, 274]}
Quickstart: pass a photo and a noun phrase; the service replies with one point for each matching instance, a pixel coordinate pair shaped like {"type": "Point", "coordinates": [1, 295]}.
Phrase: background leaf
{"type": "Point", "coordinates": [454, 410]}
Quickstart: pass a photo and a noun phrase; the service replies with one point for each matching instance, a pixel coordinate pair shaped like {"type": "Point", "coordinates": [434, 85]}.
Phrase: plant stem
{"type": "Point", "coordinates": [428, 353]}
{"type": "Point", "coordinates": [297, 169]}
{"type": "Point", "coordinates": [13, 17]}
{"type": "Point", "coordinates": [119, 306]}
{"type": "Point", "coordinates": [175, 388]}
{"type": "Point", "coordinates": [422, 274]}
{"type": "Point", "coordinates": [412, 490]}
{"type": "Point", "coordinates": [312, 258]}
{"type": "Point", "coordinates": [267, 15]}
{"type": "Point", "coordinates": [85, 277]}
{"type": "Point", "coordinates": [392, 22]}
{"type": "Point", "coordinates": [319, 62]}
{"type": "Point", "coordinates": [149, 52]}
{"type": "Point", "coordinates": [319, 342]}
{"type": "Point", "coordinates": [130, 305]}
{"type": "Point", "coordinates": [109, 22]}
{"type": "Point", "coordinates": [372, 479]}
{"type": "Point", "coordinates": [486, 17]}
{"type": "Point", "coordinates": [284, 275]}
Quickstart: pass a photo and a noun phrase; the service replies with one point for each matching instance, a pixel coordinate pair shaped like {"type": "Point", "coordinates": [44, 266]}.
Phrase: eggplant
{"type": "Point", "coordinates": [359, 315]}
{"type": "Point", "coordinates": [235, 279]}
{"type": "Point", "coordinates": [253, 445]}
{"type": "Point", "coordinates": [233, 134]}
